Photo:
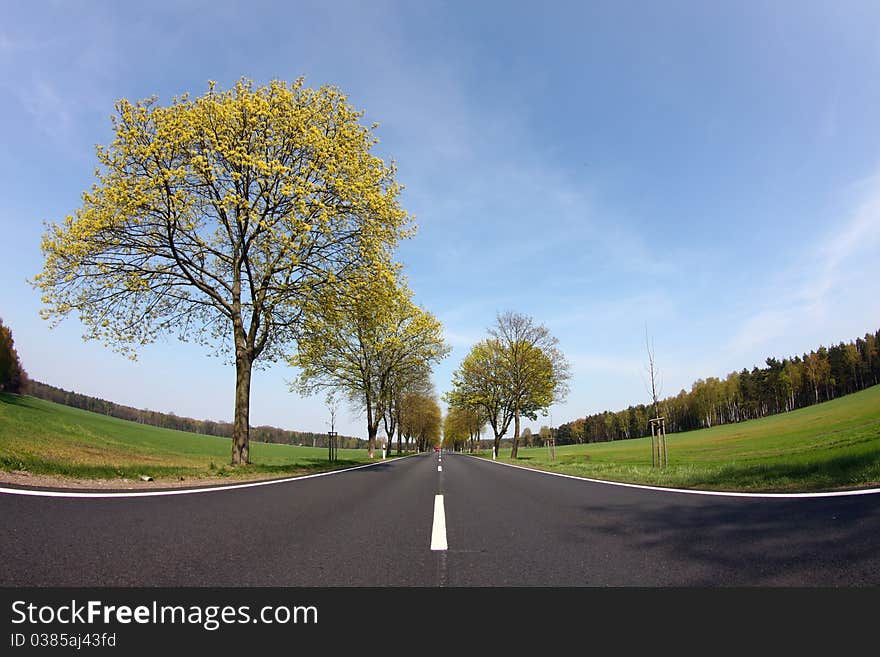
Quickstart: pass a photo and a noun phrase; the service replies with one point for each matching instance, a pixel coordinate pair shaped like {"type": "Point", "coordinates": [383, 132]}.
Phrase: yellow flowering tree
{"type": "Point", "coordinates": [455, 429]}
{"type": "Point", "coordinates": [369, 341]}
{"type": "Point", "coordinates": [421, 419]}
{"type": "Point", "coordinates": [538, 371]}
{"type": "Point", "coordinates": [483, 384]}
{"type": "Point", "coordinates": [220, 218]}
{"type": "Point", "coordinates": [517, 372]}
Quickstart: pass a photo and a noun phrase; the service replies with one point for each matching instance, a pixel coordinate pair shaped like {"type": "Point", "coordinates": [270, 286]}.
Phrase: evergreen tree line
{"type": "Point", "coordinates": [781, 386]}
{"type": "Point", "coordinates": [266, 434]}
{"type": "Point", "coordinates": [13, 378]}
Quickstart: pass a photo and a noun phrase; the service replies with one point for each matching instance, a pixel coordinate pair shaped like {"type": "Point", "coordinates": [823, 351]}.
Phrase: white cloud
{"type": "Point", "coordinates": [760, 328]}
{"type": "Point", "coordinates": [859, 235]}
{"type": "Point", "coordinates": [826, 295]}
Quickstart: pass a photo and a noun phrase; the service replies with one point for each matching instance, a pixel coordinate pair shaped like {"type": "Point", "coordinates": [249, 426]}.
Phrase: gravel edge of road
{"type": "Point", "coordinates": [36, 482]}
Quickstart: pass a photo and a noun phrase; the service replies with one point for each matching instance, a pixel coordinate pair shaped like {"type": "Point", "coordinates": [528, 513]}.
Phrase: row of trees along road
{"type": "Point", "coordinates": [232, 219]}
{"type": "Point", "coordinates": [462, 427]}
{"type": "Point", "coordinates": [421, 419]}
{"type": "Point", "coordinates": [782, 385]}
{"type": "Point", "coordinates": [518, 371]}
{"type": "Point", "coordinates": [367, 340]}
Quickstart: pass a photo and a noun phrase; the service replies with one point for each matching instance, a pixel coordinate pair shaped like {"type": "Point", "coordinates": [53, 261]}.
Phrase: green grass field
{"type": "Point", "coordinates": [46, 438]}
{"type": "Point", "coordinates": [828, 446]}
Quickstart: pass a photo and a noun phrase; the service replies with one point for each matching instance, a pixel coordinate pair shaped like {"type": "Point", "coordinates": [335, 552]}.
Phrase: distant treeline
{"type": "Point", "coordinates": [13, 378]}
{"type": "Point", "coordinates": [264, 434]}
{"type": "Point", "coordinates": [781, 386]}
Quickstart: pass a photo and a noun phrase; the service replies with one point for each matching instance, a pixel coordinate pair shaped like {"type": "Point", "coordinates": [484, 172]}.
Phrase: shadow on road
{"type": "Point", "coordinates": [826, 542]}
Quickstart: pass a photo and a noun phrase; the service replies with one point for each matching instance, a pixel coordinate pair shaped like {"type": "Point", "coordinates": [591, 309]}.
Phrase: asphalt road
{"type": "Point", "coordinates": [375, 526]}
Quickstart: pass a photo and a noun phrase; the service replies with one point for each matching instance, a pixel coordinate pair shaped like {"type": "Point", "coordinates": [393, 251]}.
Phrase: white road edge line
{"type": "Point", "coordinates": [717, 493]}
{"type": "Point", "coordinates": [184, 491]}
{"type": "Point", "coordinates": [438, 531]}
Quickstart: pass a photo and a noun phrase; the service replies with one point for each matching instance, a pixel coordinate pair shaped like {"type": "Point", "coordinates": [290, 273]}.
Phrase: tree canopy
{"type": "Point", "coordinates": [518, 371]}
{"type": "Point", "coordinates": [538, 370]}
{"type": "Point", "coordinates": [462, 427]}
{"type": "Point", "coordinates": [218, 218]}
{"type": "Point", "coordinates": [482, 383]}
{"type": "Point", "coordinates": [368, 340]}
{"type": "Point", "coordinates": [421, 419]}
{"type": "Point", "coordinates": [12, 375]}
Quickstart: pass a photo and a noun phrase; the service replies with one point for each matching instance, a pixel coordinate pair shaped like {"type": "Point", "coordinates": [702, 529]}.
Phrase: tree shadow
{"type": "Point", "coordinates": [318, 464]}
{"type": "Point", "coordinates": [855, 469]}
{"type": "Point", "coordinates": [20, 400]}
{"type": "Point", "coordinates": [313, 464]}
{"type": "Point", "coordinates": [747, 542]}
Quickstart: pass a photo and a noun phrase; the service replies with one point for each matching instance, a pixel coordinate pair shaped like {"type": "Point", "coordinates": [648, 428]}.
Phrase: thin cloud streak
{"type": "Point", "coordinates": [809, 291]}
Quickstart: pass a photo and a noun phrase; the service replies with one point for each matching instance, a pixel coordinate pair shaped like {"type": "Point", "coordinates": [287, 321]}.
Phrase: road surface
{"type": "Point", "coordinates": [500, 526]}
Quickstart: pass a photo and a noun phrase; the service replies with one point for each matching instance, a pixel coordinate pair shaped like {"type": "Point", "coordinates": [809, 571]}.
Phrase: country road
{"type": "Point", "coordinates": [500, 526]}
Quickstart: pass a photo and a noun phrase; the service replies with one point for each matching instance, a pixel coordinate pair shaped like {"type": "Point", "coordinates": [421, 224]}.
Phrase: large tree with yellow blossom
{"type": "Point", "coordinates": [222, 218]}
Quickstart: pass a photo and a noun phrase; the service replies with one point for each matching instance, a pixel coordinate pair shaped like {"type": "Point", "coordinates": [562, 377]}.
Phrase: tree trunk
{"type": "Point", "coordinates": [372, 428]}
{"type": "Point", "coordinates": [513, 449]}
{"type": "Point", "coordinates": [241, 427]}
{"type": "Point", "coordinates": [371, 443]}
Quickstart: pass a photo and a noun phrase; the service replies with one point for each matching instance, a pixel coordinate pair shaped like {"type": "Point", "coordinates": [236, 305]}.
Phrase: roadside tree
{"type": "Point", "coordinates": [367, 341]}
{"type": "Point", "coordinates": [218, 218]}
{"type": "Point", "coordinates": [482, 383]}
{"type": "Point", "coordinates": [421, 420]}
{"type": "Point", "coordinates": [538, 371]}
{"type": "Point", "coordinates": [12, 375]}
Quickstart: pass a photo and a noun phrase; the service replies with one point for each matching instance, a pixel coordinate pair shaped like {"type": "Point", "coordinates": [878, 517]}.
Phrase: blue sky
{"type": "Point", "coordinates": [711, 170]}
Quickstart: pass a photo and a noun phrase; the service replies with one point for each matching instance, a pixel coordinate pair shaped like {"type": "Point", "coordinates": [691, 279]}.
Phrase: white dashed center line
{"type": "Point", "coordinates": [438, 532]}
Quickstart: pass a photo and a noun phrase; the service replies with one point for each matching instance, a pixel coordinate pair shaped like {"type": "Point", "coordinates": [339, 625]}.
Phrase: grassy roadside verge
{"type": "Point", "coordinates": [834, 445]}
{"type": "Point", "coordinates": [44, 438]}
